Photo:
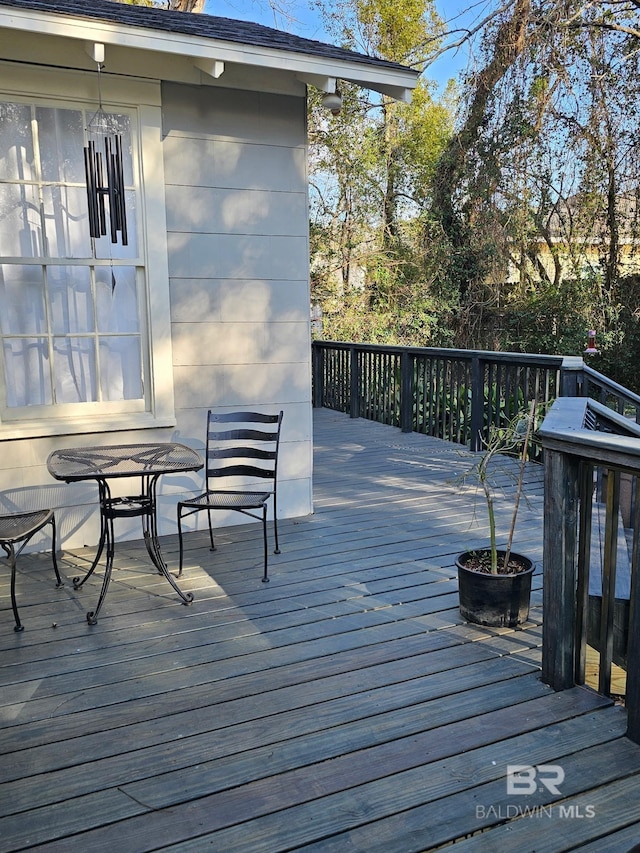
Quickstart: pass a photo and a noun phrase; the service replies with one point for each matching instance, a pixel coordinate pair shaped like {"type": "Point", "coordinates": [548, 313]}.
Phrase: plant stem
{"type": "Point", "coordinates": [492, 533]}
{"type": "Point", "coordinates": [483, 477]}
{"type": "Point", "coordinates": [516, 505]}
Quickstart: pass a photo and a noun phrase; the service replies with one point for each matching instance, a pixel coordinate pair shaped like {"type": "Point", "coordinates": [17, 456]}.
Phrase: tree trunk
{"type": "Point", "coordinates": [186, 5]}
{"type": "Point", "coordinates": [509, 43]}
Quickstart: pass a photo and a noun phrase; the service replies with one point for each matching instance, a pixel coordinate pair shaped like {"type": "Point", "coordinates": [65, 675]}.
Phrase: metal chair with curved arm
{"type": "Point", "coordinates": [18, 528]}
{"type": "Point", "coordinates": [242, 447]}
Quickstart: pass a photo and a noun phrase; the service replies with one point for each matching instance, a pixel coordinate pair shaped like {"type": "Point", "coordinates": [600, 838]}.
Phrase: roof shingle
{"type": "Point", "coordinates": [199, 25]}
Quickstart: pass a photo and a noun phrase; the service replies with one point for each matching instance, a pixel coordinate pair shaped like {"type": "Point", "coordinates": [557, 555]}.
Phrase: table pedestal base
{"type": "Point", "coordinates": [143, 506]}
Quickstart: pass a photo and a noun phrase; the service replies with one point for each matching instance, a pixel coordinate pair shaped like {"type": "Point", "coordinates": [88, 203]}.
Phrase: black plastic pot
{"type": "Point", "coordinates": [495, 600]}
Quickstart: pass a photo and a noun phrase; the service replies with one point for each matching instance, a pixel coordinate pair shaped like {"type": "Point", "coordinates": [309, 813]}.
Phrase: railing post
{"type": "Point", "coordinates": [477, 404]}
{"type": "Point", "coordinates": [561, 490]}
{"type": "Point", "coordinates": [633, 647]}
{"type": "Point", "coordinates": [406, 391]}
{"type": "Point", "coordinates": [609, 560]}
{"type": "Point", "coordinates": [317, 374]}
{"type": "Point", "coordinates": [354, 383]}
{"type": "Point", "coordinates": [571, 376]}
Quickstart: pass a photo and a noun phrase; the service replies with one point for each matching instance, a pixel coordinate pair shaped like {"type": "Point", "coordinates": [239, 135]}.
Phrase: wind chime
{"type": "Point", "coordinates": [105, 178]}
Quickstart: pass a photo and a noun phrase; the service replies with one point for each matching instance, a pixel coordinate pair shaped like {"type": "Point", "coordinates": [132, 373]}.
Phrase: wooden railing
{"type": "Point", "coordinates": [590, 446]}
{"type": "Point", "coordinates": [452, 394]}
{"type": "Point", "coordinates": [594, 385]}
{"type": "Point", "coordinates": [579, 437]}
{"type": "Point", "coordinates": [447, 393]}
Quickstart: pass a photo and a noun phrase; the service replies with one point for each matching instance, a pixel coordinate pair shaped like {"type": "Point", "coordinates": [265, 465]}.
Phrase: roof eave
{"type": "Point", "coordinates": [395, 82]}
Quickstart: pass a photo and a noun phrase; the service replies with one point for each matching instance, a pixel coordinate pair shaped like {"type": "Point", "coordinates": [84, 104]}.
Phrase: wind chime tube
{"type": "Point", "coordinates": [112, 189]}
{"type": "Point", "coordinates": [122, 207]}
{"type": "Point", "coordinates": [116, 189]}
{"type": "Point", "coordinates": [92, 198]}
{"type": "Point", "coordinates": [100, 194]}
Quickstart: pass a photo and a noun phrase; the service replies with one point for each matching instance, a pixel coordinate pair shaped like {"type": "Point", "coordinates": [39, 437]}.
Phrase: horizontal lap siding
{"type": "Point", "coordinates": [235, 168]}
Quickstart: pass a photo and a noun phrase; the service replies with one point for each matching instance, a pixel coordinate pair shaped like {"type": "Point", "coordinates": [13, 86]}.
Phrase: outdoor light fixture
{"type": "Point", "coordinates": [333, 102]}
{"type": "Point", "coordinates": [591, 345]}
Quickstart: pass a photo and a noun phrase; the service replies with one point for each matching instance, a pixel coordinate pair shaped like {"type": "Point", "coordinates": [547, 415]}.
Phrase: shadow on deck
{"type": "Point", "coordinates": [344, 706]}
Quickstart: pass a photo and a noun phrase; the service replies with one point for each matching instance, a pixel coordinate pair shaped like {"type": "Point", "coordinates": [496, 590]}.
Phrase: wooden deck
{"type": "Point", "coordinates": [345, 706]}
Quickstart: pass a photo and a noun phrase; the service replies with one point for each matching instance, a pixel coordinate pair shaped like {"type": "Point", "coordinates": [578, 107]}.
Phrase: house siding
{"type": "Point", "coordinates": [237, 234]}
{"type": "Point", "coordinates": [237, 242]}
{"type": "Point", "coordinates": [229, 323]}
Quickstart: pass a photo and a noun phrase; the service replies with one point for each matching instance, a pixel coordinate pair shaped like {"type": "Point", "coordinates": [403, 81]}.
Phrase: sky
{"type": "Point", "coordinates": [308, 24]}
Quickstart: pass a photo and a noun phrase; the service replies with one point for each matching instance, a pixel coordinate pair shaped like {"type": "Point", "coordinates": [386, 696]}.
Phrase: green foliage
{"type": "Point", "coordinates": [537, 192]}
{"type": "Point", "coordinates": [352, 319]}
{"type": "Point", "coordinates": [517, 232]}
{"type": "Point", "coordinates": [371, 168]}
{"type": "Point", "coordinates": [551, 318]}
{"type": "Point", "coordinates": [442, 409]}
{"type": "Point", "coordinates": [397, 29]}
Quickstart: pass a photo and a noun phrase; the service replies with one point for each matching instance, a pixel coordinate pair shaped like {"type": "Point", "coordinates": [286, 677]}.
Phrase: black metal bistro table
{"type": "Point", "coordinates": [147, 461]}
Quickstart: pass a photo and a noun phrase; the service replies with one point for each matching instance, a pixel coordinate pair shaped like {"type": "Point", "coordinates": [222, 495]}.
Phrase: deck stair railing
{"type": "Point", "coordinates": [579, 437]}
{"type": "Point", "coordinates": [590, 431]}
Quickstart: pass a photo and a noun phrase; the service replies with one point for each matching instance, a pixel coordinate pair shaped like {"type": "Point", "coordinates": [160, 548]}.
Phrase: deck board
{"type": "Point", "coordinates": [343, 706]}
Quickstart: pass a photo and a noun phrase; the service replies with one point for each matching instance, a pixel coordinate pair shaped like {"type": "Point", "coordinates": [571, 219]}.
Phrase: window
{"type": "Point", "coordinates": [75, 316]}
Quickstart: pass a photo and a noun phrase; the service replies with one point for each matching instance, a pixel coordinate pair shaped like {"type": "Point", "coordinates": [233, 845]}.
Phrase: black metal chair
{"type": "Point", "coordinates": [241, 447]}
{"type": "Point", "coordinates": [19, 528]}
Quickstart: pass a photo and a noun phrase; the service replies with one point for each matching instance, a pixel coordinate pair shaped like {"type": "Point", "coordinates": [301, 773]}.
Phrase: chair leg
{"type": "Point", "coordinates": [180, 543]}
{"type": "Point", "coordinates": [213, 544]}
{"type": "Point", "coordinates": [14, 604]}
{"type": "Point", "coordinates": [275, 525]}
{"type": "Point", "coordinates": [59, 582]}
{"type": "Point", "coordinates": [265, 577]}
{"type": "Point", "coordinates": [12, 555]}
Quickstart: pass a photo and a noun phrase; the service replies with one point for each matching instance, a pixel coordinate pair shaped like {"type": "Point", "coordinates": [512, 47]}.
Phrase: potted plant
{"type": "Point", "coordinates": [494, 585]}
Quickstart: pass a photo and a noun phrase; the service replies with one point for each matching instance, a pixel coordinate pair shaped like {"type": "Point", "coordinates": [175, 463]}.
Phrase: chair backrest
{"type": "Point", "coordinates": [242, 445]}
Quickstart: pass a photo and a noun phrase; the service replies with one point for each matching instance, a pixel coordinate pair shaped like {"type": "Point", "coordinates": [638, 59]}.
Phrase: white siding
{"type": "Point", "coordinates": [237, 243]}
{"type": "Point", "coordinates": [237, 223]}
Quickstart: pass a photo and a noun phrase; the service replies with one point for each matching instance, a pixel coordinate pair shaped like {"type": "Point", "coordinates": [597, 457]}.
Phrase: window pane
{"type": "Point", "coordinates": [72, 330]}
{"type": "Point", "coordinates": [16, 143]}
{"type": "Point", "coordinates": [117, 299]}
{"type": "Point", "coordinates": [20, 223]}
{"type": "Point", "coordinates": [22, 310]}
{"type": "Point", "coordinates": [61, 138]}
{"type": "Point", "coordinates": [120, 368]}
{"type": "Point", "coordinates": [66, 222]}
{"type": "Point", "coordinates": [70, 299]}
{"type": "Point", "coordinates": [75, 370]}
{"type": "Point", "coordinates": [26, 364]}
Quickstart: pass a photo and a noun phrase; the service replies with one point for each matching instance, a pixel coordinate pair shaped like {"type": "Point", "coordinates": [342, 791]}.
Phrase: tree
{"type": "Point", "coordinates": [370, 170]}
{"type": "Point", "coordinates": [172, 5]}
{"type": "Point", "coordinates": [541, 177]}
{"type": "Point", "coordinates": [613, 15]}
{"type": "Point", "coordinates": [186, 5]}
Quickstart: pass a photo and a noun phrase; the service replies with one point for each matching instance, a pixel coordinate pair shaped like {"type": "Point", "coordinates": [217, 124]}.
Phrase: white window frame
{"type": "Point", "coordinates": [77, 90]}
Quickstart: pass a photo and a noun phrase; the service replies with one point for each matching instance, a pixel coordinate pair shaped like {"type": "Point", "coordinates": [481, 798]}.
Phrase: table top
{"type": "Point", "coordinates": [122, 460]}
